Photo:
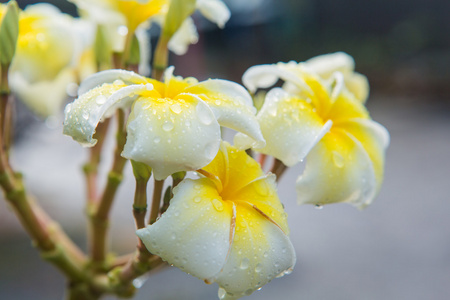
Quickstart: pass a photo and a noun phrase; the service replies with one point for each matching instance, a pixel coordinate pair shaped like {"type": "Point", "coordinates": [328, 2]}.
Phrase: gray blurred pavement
{"type": "Point", "coordinates": [398, 248]}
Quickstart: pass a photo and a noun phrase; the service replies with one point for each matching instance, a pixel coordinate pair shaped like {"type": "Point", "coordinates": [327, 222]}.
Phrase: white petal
{"type": "Point", "coordinates": [260, 252]}
{"type": "Point", "coordinates": [172, 136]}
{"type": "Point", "coordinates": [43, 97]}
{"type": "Point", "coordinates": [83, 115]}
{"type": "Point", "coordinates": [338, 169]}
{"type": "Point", "coordinates": [145, 49]}
{"type": "Point", "coordinates": [110, 76]}
{"type": "Point", "coordinates": [192, 235]}
{"type": "Point", "coordinates": [232, 106]}
{"type": "Point", "coordinates": [325, 65]}
{"type": "Point", "coordinates": [214, 10]}
{"type": "Point", "coordinates": [290, 126]}
{"type": "Point", "coordinates": [264, 76]}
{"type": "Point", "coordinates": [183, 37]}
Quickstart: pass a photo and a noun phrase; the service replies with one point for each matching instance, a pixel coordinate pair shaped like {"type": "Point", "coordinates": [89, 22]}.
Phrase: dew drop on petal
{"type": "Point", "coordinates": [176, 108]}
{"type": "Point", "coordinates": [244, 264]}
{"type": "Point", "coordinates": [210, 152]}
{"type": "Point", "coordinates": [197, 199]}
{"type": "Point", "coordinates": [204, 115]}
{"type": "Point", "coordinates": [85, 115]}
{"type": "Point", "coordinates": [218, 205]}
{"type": "Point", "coordinates": [338, 159]}
{"type": "Point", "coordinates": [221, 293]}
{"type": "Point", "coordinates": [258, 268]}
{"type": "Point", "coordinates": [100, 100]}
{"type": "Point", "coordinates": [167, 126]}
{"type": "Point", "coordinates": [157, 140]}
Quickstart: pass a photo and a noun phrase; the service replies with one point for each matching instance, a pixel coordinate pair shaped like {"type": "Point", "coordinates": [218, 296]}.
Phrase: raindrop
{"type": "Point", "coordinates": [167, 126]}
{"type": "Point", "coordinates": [176, 108]}
{"type": "Point", "coordinates": [318, 206]}
{"type": "Point", "coordinates": [248, 292]}
{"type": "Point", "coordinates": [338, 159]}
{"type": "Point", "coordinates": [218, 205]}
{"type": "Point", "coordinates": [197, 199]}
{"type": "Point", "coordinates": [100, 100]}
{"type": "Point", "coordinates": [244, 264]}
{"type": "Point", "coordinates": [118, 82]}
{"type": "Point", "coordinates": [258, 268]}
{"type": "Point", "coordinates": [204, 115]}
{"type": "Point", "coordinates": [85, 115]}
{"type": "Point", "coordinates": [157, 140]}
{"type": "Point", "coordinates": [221, 293]}
{"type": "Point", "coordinates": [173, 236]}
{"type": "Point", "coordinates": [210, 151]}
{"type": "Point", "coordinates": [263, 188]}
{"type": "Point", "coordinates": [217, 102]}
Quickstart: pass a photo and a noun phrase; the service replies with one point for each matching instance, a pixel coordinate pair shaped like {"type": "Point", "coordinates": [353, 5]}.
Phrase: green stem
{"type": "Point", "coordinates": [161, 57]}
{"type": "Point", "coordinates": [100, 213]}
{"type": "Point", "coordinates": [156, 200]}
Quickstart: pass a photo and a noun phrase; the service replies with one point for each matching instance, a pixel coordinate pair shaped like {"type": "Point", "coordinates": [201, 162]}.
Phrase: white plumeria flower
{"type": "Point", "coordinates": [325, 66]}
{"type": "Point", "coordinates": [48, 50]}
{"type": "Point", "coordinates": [228, 227]}
{"type": "Point", "coordinates": [131, 14]}
{"type": "Point", "coordinates": [325, 123]}
{"type": "Point", "coordinates": [173, 126]}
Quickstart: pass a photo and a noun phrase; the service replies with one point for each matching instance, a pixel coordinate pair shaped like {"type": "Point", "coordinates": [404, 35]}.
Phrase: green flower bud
{"type": "Point", "coordinates": [9, 32]}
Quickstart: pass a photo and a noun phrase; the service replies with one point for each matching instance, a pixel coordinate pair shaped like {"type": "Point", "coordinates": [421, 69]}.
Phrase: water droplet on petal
{"type": "Point", "coordinates": [176, 108]}
{"type": "Point", "coordinates": [197, 199]}
{"type": "Point", "coordinates": [221, 293]}
{"type": "Point", "coordinates": [100, 100]}
{"type": "Point", "coordinates": [318, 206]}
{"type": "Point", "coordinates": [210, 151]}
{"type": "Point", "coordinates": [248, 292]}
{"type": "Point", "coordinates": [85, 115]}
{"type": "Point", "coordinates": [218, 205]}
{"type": "Point", "coordinates": [204, 115]}
{"type": "Point", "coordinates": [157, 140]}
{"type": "Point", "coordinates": [258, 268]}
{"type": "Point", "coordinates": [338, 159]}
{"type": "Point", "coordinates": [167, 126]}
{"type": "Point", "coordinates": [244, 264]}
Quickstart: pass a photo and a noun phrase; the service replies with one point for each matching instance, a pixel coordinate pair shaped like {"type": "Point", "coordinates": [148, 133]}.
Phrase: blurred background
{"type": "Point", "coordinates": [398, 248]}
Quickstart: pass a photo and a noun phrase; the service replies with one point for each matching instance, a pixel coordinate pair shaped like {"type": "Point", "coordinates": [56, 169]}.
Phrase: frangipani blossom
{"type": "Point", "coordinates": [324, 66]}
{"type": "Point", "coordinates": [47, 52]}
{"type": "Point", "coordinates": [326, 124]}
{"type": "Point", "coordinates": [137, 13]}
{"type": "Point", "coordinates": [228, 227]}
{"type": "Point", "coordinates": [173, 125]}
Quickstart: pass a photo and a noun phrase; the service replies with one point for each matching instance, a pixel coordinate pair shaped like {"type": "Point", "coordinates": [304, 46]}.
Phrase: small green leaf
{"type": "Point", "coordinates": [9, 32]}
{"type": "Point", "coordinates": [179, 10]}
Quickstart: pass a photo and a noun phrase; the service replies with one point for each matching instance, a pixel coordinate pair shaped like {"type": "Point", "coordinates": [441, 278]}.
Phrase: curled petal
{"type": "Point", "coordinates": [264, 76]}
{"type": "Point", "coordinates": [192, 234]}
{"type": "Point", "coordinates": [172, 136]}
{"type": "Point", "coordinates": [260, 252]}
{"type": "Point", "coordinates": [214, 10]}
{"type": "Point", "coordinates": [358, 85]}
{"type": "Point", "coordinates": [186, 35]}
{"type": "Point", "coordinates": [325, 65]}
{"type": "Point", "coordinates": [232, 106]}
{"type": "Point", "coordinates": [290, 126]}
{"type": "Point", "coordinates": [110, 76]}
{"type": "Point", "coordinates": [43, 97]}
{"type": "Point", "coordinates": [342, 168]}
{"type": "Point", "coordinates": [83, 115]}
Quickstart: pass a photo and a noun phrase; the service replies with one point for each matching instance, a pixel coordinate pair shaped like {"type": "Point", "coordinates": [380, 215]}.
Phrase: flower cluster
{"type": "Point", "coordinates": [224, 222]}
